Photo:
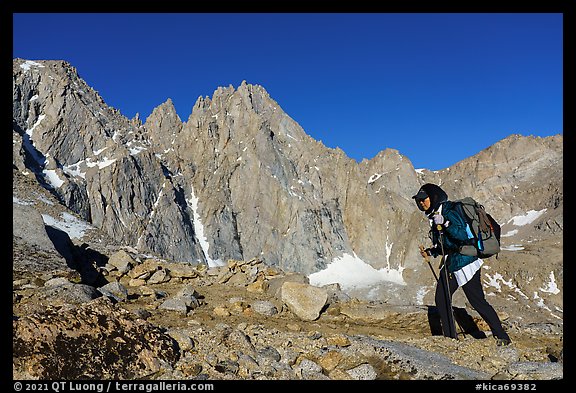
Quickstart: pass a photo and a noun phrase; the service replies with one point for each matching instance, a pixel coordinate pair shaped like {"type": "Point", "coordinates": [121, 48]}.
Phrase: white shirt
{"type": "Point", "coordinates": [467, 272]}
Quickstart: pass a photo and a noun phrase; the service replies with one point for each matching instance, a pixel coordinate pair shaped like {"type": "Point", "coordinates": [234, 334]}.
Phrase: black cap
{"type": "Point", "coordinates": [421, 194]}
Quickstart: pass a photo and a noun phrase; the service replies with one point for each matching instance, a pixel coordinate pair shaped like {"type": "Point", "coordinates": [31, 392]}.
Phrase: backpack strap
{"type": "Point", "coordinates": [483, 218]}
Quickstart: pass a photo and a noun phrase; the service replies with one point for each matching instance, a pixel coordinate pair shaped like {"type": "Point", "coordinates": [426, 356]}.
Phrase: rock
{"type": "Point", "coordinates": [159, 276]}
{"type": "Point", "coordinates": [364, 371]}
{"type": "Point", "coordinates": [144, 270]}
{"type": "Point", "coordinates": [535, 371]}
{"type": "Point", "coordinates": [33, 249]}
{"type": "Point", "coordinates": [122, 261]}
{"type": "Point", "coordinates": [264, 307]}
{"type": "Point", "coordinates": [258, 286]}
{"type": "Point", "coordinates": [236, 339]}
{"type": "Point", "coordinates": [275, 283]}
{"type": "Point", "coordinates": [179, 270]}
{"type": "Point", "coordinates": [115, 290]}
{"type": "Point", "coordinates": [330, 360]}
{"type": "Point", "coordinates": [113, 344]}
{"type": "Point", "coordinates": [403, 358]}
{"type": "Point", "coordinates": [175, 304]}
{"type": "Point", "coordinates": [182, 337]}
{"type": "Point", "coordinates": [56, 281]}
{"type": "Point", "coordinates": [339, 340]}
{"type": "Point", "coordinates": [221, 311]}
{"type": "Point", "coordinates": [308, 366]}
{"type": "Point", "coordinates": [306, 301]}
{"type": "Point", "coordinates": [28, 225]}
{"type": "Point", "coordinates": [247, 366]}
{"type": "Point", "coordinates": [67, 293]}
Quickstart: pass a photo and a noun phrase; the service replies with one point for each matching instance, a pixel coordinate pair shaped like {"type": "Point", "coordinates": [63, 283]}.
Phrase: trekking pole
{"type": "Point", "coordinates": [427, 259]}
{"type": "Point", "coordinates": [447, 285]}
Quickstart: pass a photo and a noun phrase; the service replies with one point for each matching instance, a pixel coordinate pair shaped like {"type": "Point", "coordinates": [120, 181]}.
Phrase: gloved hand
{"type": "Point", "coordinates": [440, 220]}
{"type": "Point", "coordinates": [425, 252]}
{"type": "Point", "coordinates": [428, 252]}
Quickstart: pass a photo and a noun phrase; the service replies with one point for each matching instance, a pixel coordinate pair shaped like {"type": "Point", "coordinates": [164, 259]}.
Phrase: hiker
{"type": "Point", "coordinates": [448, 233]}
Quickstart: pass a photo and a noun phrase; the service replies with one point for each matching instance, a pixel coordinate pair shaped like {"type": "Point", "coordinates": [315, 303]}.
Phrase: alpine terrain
{"type": "Point", "coordinates": [232, 245]}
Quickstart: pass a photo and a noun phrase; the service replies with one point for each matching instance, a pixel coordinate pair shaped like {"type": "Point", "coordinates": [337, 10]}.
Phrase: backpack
{"type": "Point", "coordinates": [482, 228]}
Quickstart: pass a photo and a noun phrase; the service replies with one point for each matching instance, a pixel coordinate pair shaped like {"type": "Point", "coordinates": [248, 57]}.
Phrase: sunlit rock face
{"type": "Point", "coordinates": [240, 179]}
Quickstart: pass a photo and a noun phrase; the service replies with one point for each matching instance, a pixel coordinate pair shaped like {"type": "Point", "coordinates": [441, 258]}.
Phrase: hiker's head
{"type": "Point", "coordinates": [423, 203]}
{"type": "Point", "coordinates": [429, 197]}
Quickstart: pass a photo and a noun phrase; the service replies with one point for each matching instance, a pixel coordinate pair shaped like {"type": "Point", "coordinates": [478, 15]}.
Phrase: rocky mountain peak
{"type": "Point", "coordinates": [240, 179]}
{"type": "Point", "coordinates": [162, 127]}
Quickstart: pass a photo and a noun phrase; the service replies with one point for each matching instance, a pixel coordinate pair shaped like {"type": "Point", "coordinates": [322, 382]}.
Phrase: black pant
{"type": "Point", "coordinates": [475, 295]}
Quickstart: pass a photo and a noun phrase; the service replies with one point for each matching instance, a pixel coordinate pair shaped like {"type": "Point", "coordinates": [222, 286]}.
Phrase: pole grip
{"type": "Point", "coordinates": [426, 256]}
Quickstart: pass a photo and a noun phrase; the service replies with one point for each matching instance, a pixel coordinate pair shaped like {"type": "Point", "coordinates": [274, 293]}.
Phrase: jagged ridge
{"type": "Point", "coordinates": [240, 179]}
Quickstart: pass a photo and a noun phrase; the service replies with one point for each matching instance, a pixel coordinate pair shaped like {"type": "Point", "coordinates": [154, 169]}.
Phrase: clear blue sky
{"type": "Point", "coordinates": [437, 87]}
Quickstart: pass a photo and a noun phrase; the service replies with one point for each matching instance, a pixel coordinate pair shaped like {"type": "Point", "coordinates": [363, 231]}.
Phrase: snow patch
{"type": "Point", "coordinates": [29, 131]}
{"type": "Point", "coordinates": [512, 247]}
{"type": "Point", "coordinates": [100, 164]}
{"type": "Point", "coordinates": [551, 286]}
{"type": "Point", "coordinates": [52, 178]}
{"type": "Point", "coordinates": [374, 177]}
{"type": "Point", "coordinates": [97, 152]}
{"type": "Point", "coordinates": [510, 233]}
{"type": "Point", "coordinates": [21, 201]}
{"type": "Point", "coordinates": [420, 295]}
{"type": "Point", "coordinates": [29, 64]}
{"type": "Point", "coordinates": [527, 218]}
{"type": "Point", "coordinates": [136, 150]}
{"type": "Point", "coordinates": [352, 272]}
{"type": "Point", "coordinates": [199, 228]}
{"type": "Point", "coordinates": [495, 281]}
{"type": "Point", "coordinates": [74, 227]}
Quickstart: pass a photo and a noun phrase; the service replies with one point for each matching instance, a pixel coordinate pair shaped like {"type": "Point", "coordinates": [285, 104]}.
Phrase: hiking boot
{"type": "Point", "coordinates": [502, 342]}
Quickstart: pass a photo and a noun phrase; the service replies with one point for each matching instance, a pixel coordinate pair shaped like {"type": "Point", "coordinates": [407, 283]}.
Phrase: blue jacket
{"type": "Point", "coordinates": [453, 237]}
